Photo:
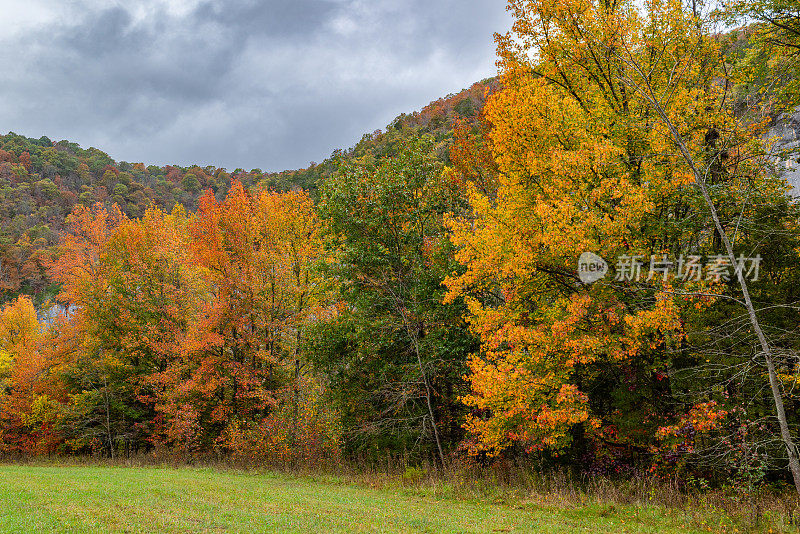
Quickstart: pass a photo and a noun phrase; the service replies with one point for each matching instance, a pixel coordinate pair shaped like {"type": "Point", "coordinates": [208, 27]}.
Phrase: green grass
{"type": "Point", "coordinates": [118, 499]}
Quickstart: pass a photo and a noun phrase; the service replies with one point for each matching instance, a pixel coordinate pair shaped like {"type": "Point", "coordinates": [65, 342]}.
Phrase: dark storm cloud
{"type": "Point", "coordinates": [268, 84]}
{"type": "Point", "coordinates": [277, 18]}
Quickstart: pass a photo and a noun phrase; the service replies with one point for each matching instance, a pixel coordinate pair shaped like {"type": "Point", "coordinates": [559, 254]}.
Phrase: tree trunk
{"type": "Point", "coordinates": [766, 351]}
{"type": "Point", "coordinates": [428, 391]}
{"type": "Point", "coordinates": [108, 418]}
{"type": "Point", "coordinates": [295, 402]}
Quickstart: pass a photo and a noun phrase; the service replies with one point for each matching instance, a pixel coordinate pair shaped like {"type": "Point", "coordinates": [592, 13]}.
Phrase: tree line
{"type": "Point", "coordinates": [424, 297]}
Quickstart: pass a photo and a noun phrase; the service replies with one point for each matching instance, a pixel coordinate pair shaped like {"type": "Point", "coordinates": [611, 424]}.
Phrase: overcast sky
{"type": "Point", "coordinates": [271, 84]}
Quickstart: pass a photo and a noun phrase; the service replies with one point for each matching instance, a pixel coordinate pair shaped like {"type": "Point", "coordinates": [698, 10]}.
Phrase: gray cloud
{"type": "Point", "coordinates": [235, 83]}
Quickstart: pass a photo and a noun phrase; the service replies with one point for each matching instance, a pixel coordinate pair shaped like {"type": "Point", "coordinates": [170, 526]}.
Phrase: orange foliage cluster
{"type": "Point", "coordinates": [179, 330]}
{"type": "Point", "coordinates": [27, 397]}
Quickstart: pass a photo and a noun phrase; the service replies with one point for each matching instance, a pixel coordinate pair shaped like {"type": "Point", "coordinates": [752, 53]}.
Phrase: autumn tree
{"type": "Point", "coordinates": [95, 365]}
{"type": "Point", "coordinates": [768, 67]}
{"type": "Point", "coordinates": [28, 403]}
{"type": "Point", "coordinates": [587, 163]}
{"type": "Point", "coordinates": [187, 331]}
{"type": "Point", "coordinates": [243, 357]}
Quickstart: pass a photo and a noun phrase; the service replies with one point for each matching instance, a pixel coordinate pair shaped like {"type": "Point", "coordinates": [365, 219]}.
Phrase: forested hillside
{"type": "Point", "coordinates": [42, 181]}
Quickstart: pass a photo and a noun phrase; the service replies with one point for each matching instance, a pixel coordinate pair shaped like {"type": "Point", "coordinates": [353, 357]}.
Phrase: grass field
{"type": "Point", "coordinates": [117, 499]}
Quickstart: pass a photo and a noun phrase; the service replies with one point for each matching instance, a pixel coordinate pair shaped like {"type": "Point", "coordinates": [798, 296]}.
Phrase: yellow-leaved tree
{"type": "Point", "coordinates": [607, 109]}
{"type": "Point", "coordinates": [27, 407]}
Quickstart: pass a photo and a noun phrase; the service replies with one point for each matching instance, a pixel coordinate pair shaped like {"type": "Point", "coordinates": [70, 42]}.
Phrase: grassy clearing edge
{"type": "Point", "coordinates": [718, 510]}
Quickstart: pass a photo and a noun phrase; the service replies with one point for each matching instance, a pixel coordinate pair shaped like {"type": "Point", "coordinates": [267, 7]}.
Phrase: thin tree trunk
{"type": "Point", "coordinates": [108, 418]}
{"type": "Point", "coordinates": [295, 397]}
{"type": "Point", "coordinates": [766, 351]}
{"type": "Point", "coordinates": [298, 337]}
{"type": "Point", "coordinates": [401, 309]}
{"type": "Point", "coordinates": [428, 392]}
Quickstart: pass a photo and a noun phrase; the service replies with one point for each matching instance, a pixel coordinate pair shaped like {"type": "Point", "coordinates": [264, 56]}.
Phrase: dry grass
{"type": "Point", "coordinates": [766, 509]}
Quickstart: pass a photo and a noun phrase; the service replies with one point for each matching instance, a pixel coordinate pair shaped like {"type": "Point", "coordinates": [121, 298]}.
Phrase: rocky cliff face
{"type": "Point", "coordinates": [786, 150]}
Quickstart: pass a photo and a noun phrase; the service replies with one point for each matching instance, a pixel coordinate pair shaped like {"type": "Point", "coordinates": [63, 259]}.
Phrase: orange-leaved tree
{"type": "Point", "coordinates": [131, 294]}
{"type": "Point", "coordinates": [245, 363]}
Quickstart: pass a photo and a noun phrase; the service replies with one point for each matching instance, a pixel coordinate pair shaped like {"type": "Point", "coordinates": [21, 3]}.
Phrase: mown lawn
{"type": "Point", "coordinates": [117, 499]}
